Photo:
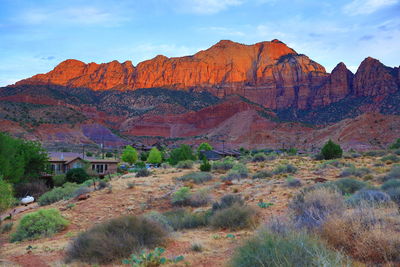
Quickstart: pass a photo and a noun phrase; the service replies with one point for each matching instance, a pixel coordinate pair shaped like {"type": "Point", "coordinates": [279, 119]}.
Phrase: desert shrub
{"type": "Point", "coordinates": [311, 207]}
{"type": "Point", "coordinates": [286, 250]}
{"type": "Point", "coordinates": [352, 171]}
{"type": "Point", "coordinates": [77, 175]}
{"type": "Point", "coordinates": [331, 150]}
{"type": "Point", "coordinates": [391, 158]}
{"type": "Point", "coordinates": [150, 259]}
{"type": "Point", "coordinates": [259, 157]}
{"type": "Point", "coordinates": [42, 223]}
{"type": "Point", "coordinates": [394, 173]}
{"type": "Point", "coordinates": [165, 166]}
{"type": "Point", "coordinates": [224, 164]}
{"type": "Point", "coordinates": [59, 179]}
{"type": "Point", "coordinates": [196, 177]}
{"type": "Point", "coordinates": [34, 188]}
{"type": "Point", "coordinates": [196, 247]}
{"type": "Point", "coordinates": [115, 239]}
{"type": "Point", "coordinates": [397, 151]}
{"type": "Point", "coordinates": [6, 195]}
{"type": "Point", "coordinates": [226, 202]}
{"type": "Point", "coordinates": [5, 228]}
{"type": "Point", "coordinates": [335, 163]}
{"type": "Point", "coordinates": [367, 233]}
{"type": "Point", "coordinates": [140, 165]}
{"type": "Point", "coordinates": [81, 191]}
{"type": "Point", "coordinates": [394, 194]}
{"type": "Point", "coordinates": [159, 218]}
{"type": "Point", "coordinates": [200, 198]}
{"type": "Point", "coordinates": [262, 174]}
{"type": "Point", "coordinates": [238, 172]}
{"type": "Point", "coordinates": [349, 185]}
{"type": "Point", "coordinates": [58, 193]}
{"type": "Point", "coordinates": [293, 182]}
{"type": "Point", "coordinates": [186, 164]}
{"type": "Point", "coordinates": [183, 153]}
{"type": "Point", "coordinates": [143, 172]}
{"type": "Point", "coordinates": [390, 184]}
{"type": "Point", "coordinates": [234, 217]}
{"type": "Point", "coordinates": [287, 168]}
{"type": "Point", "coordinates": [369, 196]}
{"type": "Point", "coordinates": [375, 153]}
{"type": "Point", "coordinates": [205, 166]}
{"type": "Point", "coordinates": [183, 219]}
{"type": "Point", "coordinates": [181, 197]}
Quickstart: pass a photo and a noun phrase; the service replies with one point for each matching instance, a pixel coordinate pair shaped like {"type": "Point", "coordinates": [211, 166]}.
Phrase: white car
{"type": "Point", "coordinates": [27, 200]}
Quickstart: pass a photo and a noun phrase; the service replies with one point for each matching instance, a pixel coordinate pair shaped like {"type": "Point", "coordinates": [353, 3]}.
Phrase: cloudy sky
{"type": "Point", "coordinates": [35, 35]}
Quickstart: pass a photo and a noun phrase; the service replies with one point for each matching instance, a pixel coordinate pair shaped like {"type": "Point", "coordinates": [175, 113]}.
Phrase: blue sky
{"type": "Point", "coordinates": [36, 35]}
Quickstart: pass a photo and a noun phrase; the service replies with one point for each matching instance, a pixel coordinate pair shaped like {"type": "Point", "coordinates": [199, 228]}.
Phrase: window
{"type": "Point", "coordinates": [105, 167]}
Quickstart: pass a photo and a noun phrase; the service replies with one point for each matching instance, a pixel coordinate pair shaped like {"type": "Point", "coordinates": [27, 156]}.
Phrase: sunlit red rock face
{"type": "Point", "coordinates": [268, 73]}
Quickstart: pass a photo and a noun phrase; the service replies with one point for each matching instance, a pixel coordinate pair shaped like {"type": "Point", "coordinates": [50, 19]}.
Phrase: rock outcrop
{"type": "Point", "coordinates": [268, 73]}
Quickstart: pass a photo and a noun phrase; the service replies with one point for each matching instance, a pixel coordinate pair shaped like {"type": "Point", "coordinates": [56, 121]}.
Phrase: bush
{"type": "Point", "coordinates": [331, 150]}
{"type": "Point", "coordinates": [143, 172]}
{"type": "Point", "coordinates": [262, 175]}
{"type": "Point", "coordinates": [205, 166]}
{"type": "Point", "coordinates": [181, 197]}
{"type": "Point", "coordinates": [182, 219]}
{"type": "Point", "coordinates": [394, 173]}
{"type": "Point", "coordinates": [115, 239]}
{"type": "Point", "coordinates": [5, 228]}
{"type": "Point", "coordinates": [367, 233]}
{"type": "Point", "coordinates": [238, 172]}
{"type": "Point", "coordinates": [200, 198]}
{"type": "Point", "coordinates": [369, 196]}
{"type": "Point", "coordinates": [352, 171]}
{"type": "Point", "coordinates": [375, 153]}
{"type": "Point", "coordinates": [155, 156]}
{"type": "Point", "coordinates": [224, 165]}
{"type": "Point", "coordinates": [293, 182]}
{"type": "Point", "coordinates": [390, 184]}
{"type": "Point", "coordinates": [183, 153]}
{"type": "Point", "coordinates": [77, 175]}
{"type": "Point", "coordinates": [291, 249]}
{"type": "Point", "coordinates": [186, 164]}
{"type": "Point", "coordinates": [311, 207]}
{"type": "Point", "coordinates": [259, 157]}
{"type": "Point", "coordinates": [6, 195]}
{"type": "Point", "coordinates": [235, 217]}
{"type": "Point", "coordinates": [58, 193]}
{"type": "Point", "coordinates": [391, 158]}
{"type": "Point", "coordinates": [160, 219]}
{"type": "Point", "coordinates": [288, 168]}
{"type": "Point", "coordinates": [349, 185]}
{"type": "Point", "coordinates": [226, 202]}
{"type": "Point", "coordinates": [42, 223]}
{"type": "Point", "coordinates": [196, 177]}
{"type": "Point", "coordinates": [32, 188]}
{"type": "Point", "coordinates": [394, 194]}
{"type": "Point", "coordinates": [165, 166]}
{"type": "Point", "coordinates": [59, 180]}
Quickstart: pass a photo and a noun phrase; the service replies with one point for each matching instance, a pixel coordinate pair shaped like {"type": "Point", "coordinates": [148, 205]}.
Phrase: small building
{"type": "Point", "coordinates": [61, 162]}
{"type": "Point", "coordinates": [217, 154]}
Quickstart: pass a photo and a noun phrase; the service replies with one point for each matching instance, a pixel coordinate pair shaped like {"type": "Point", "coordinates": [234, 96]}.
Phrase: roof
{"type": "Point", "coordinates": [68, 157]}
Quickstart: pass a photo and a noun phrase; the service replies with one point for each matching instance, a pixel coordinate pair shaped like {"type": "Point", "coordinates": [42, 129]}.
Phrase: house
{"type": "Point", "coordinates": [217, 154]}
{"type": "Point", "coordinates": [61, 162]}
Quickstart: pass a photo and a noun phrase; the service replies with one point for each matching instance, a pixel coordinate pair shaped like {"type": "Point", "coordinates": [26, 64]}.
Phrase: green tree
{"type": "Point", "coordinates": [331, 150]}
{"type": "Point", "coordinates": [205, 166]}
{"type": "Point", "coordinates": [203, 147]}
{"type": "Point", "coordinates": [155, 156]}
{"type": "Point", "coordinates": [129, 155]}
{"type": "Point", "coordinates": [21, 160]}
{"type": "Point", "coordinates": [184, 152]}
{"type": "Point", "coordinates": [395, 145]}
{"type": "Point", "coordinates": [6, 195]}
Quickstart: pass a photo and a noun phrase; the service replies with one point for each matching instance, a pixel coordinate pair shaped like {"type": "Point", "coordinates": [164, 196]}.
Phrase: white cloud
{"type": "Point", "coordinates": [206, 7]}
{"type": "Point", "coordinates": [364, 7]}
{"type": "Point", "coordinates": [83, 15]}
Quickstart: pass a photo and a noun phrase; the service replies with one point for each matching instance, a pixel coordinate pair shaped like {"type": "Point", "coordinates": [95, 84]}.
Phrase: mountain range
{"type": "Point", "coordinates": [261, 95]}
